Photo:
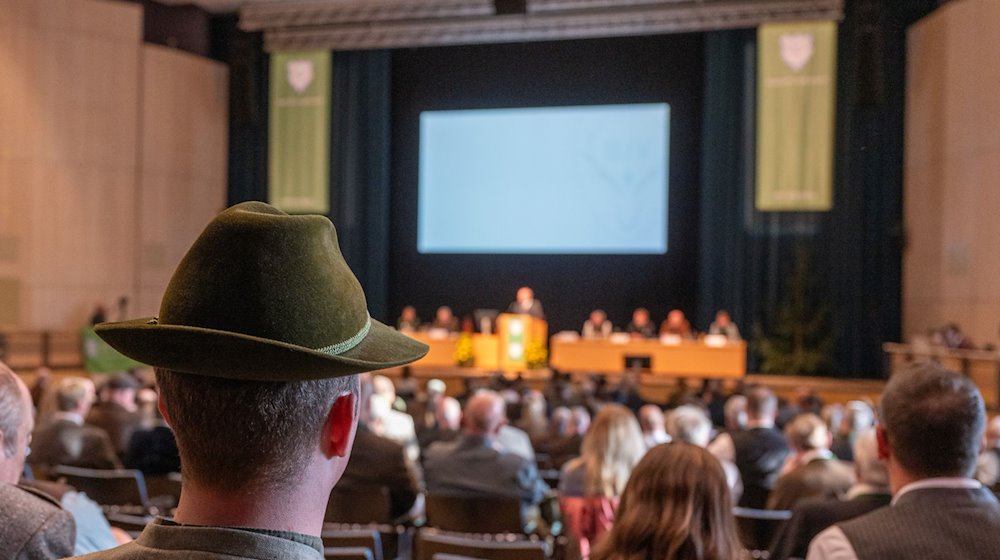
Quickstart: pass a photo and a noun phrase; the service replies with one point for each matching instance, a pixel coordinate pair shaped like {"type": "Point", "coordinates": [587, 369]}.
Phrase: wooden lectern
{"type": "Point", "coordinates": [518, 332]}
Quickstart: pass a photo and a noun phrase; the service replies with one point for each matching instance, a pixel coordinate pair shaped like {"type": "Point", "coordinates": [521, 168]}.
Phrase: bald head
{"type": "Point", "coordinates": [484, 414]}
{"type": "Point", "coordinates": [16, 423]}
{"type": "Point", "coordinates": [651, 419]}
{"type": "Point", "coordinates": [449, 414]}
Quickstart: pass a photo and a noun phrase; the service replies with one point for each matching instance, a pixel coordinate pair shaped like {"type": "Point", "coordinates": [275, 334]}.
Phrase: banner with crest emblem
{"type": "Point", "coordinates": [299, 132]}
{"type": "Point", "coordinates": [796, 104]}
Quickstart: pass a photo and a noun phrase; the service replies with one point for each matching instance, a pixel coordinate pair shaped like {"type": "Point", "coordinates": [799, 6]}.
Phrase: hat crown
{"type": "Point", "coordinates": [260, 272]}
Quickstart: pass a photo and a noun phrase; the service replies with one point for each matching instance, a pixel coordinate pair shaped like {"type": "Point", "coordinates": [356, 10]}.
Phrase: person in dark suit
{"type": "Point", "coordinates": [474, 465]}
{"type": "Point", "coordinates": [64, 439]}
{"type": "Point", "coordinates": [526, 303]}
{"type": "Point", "coordinates": [809, 517]}
{"type": "Point", "coordinates": [931, 431]}
{"type": "Point", "coordinates": [378, 463]}
{"type": "Point", "coordinates": [760, 450]}
{"type": "Point", "coordinates": [813, 471]}
{"type": "Point", "coordinates": [641, 326]}
{"type": "Point", "coordinates": [32, 524]}
{"type": "Point", "coordinates": [117, 412]}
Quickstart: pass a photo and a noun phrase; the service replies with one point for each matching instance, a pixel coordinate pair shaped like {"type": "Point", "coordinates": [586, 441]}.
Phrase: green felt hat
{"type": "Point", "coordinates": [262, 295]}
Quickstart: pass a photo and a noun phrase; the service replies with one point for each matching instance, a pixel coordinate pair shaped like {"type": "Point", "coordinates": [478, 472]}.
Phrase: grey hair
{"type": "Point", "coordinates": [871, 469]}
{"type": "Point", "coordinates": [11, 410]}
{"type": "Point", "coordinates": [689, 424]}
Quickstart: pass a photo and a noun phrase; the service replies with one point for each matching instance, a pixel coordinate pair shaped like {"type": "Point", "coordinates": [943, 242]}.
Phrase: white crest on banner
{"type": "Point", "coordinates": [300, 74]}
{"type": "Point", "coordinates": [796, 49]}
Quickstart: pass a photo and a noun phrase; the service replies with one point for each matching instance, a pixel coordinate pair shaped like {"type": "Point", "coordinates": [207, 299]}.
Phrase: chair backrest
{"type": "Point", "coordinates": [758, 527]}
{"type": "Point", "coordinates": [474, 515]}
{"type": "Point", "coordinates": [164, 489]}
{"type": "Point", "coordinates": [106, 487]}
{"type": "Point", "coordinates": [431, 544]}
{"type": "Point", "coordinates": [131, 524]}
{"type": "Point", "coordinates": [348, 553]}
{"type": "Point", "coordinates": [353, 538]}
{"type": "Point", "coordinates": [359, 505]}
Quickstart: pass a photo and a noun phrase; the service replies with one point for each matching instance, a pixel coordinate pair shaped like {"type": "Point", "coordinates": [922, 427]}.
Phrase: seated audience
{"type": "Point", "coordinates": [689, 424]}
{"type": "Point", "coordinates": [724, 325]}
{"type": "Point", "coordinates": [423, 406]}
{"type": "Point", "coordinates": [408, 321]}
{"type": "Point", "coordinates": [734, 419]}
{"type": "Point", "coordinates": [525, 302]}
{"type": "Point", "coordinates": [117, 412]}
{"type": "Point", "coordinates": [448, 422]}
{"type": "Point", "coordinates": [32, 524]}
{"type": "Point", "coordinates": [857, 418]}
{"type": "Point", "coordinates": [153, 449]}
{"type": "Point", "coordinates": [590, 485]}
{"type": "Point", "coordinates": [445, 320]}
{"type": "Point", "coordinates": [377, 462]}
{"type": "Point", "coordinates": [676, 324]}
{"type": "Point", "coordinates": [809, 517]}
{"type": "Point", "coordinates": [533, 420]}
{"type": "Point", "coordinates": [760, 450]}
{"type": "Point", "coordinates": [988, 464]}
{"type": "Point", "coordinates": [641, 326]}
{"type": "Point", "coordinates": [64, 439]}
{"type": "Point", "coordinates": [393, 424]}
{"type": "Point", "coordinates": [654, 431]}
{"type": "Point", "coordinates": [931, 429]}
{"type": "Point", "coordinates": [811, 471]}
{"type": "Point", "coordinates": [597, 326]}
{"type": "Point", "coordinates": [676, 505]}
{"type": "Point", "coordinates": [472, 465]}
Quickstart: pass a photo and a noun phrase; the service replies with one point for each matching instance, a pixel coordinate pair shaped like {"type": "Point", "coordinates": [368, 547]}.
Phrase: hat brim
{"type": "Point", "coordinates": [238, 356]}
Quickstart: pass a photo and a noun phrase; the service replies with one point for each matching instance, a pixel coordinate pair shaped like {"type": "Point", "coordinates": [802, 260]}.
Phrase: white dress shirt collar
{"type": "Point", "coordinates": [954, 483]}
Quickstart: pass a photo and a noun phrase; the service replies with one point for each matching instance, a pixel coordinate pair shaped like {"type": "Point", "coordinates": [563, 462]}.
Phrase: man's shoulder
{"type": "Point", "coordinates": [25, 496]}
{"type": "Point", "coordinates": [33, 522]}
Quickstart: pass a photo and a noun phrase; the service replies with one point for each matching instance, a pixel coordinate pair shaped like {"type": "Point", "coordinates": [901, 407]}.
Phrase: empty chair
{"type": "Point", "coordinates": [474, 515]}
{"type": "Point", "coordinates": [758, 527]}
{"type": "Point", "coordinates": [432, 544]}
{"type": "Point", "coordinates": [116, 487]}
{"type": "Point", "coordinates": [348, 553]}
{"type": "Point", "coordinates": [353, 538]}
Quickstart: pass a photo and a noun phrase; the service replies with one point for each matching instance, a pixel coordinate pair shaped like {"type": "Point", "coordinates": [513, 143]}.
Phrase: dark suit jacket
{"type": "Point", "coordinates": [819, 478]}
{"type": "Point", "coordinates": [760, 454]}
{"type": "Point", "coordinates": [62, 442]}
{"type": "Point", "coordinates": [378, 462]}
{"type": "Point", "coordinates": [118, 422]}
{"type": "Point", "coordinates": [810, 517]}
{"type": "Point", "coordinates": [472, 466]}
{"type": "Point", "coordinates": [153, 451]}
{"type": "Point", "coordinates": [33, 525]}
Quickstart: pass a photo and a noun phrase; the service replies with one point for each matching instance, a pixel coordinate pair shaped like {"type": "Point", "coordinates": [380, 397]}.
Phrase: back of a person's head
{"type": "Point", "coordinates": [559, 424]}
{"type": "Point", "coordinates": [807, 432]}
{"type": "Point", "coordinates": [611, 448]}
{"type": "Point", "coordinates": [735, 411]}
{"type": "Point", "coordinates": [448, 414]}
{"type": "Point", "coordinates": [580, 422]}
{"type": "Point", "coordinates": [484, 413]}
{"type": "Point", "coordinates": [74, 391]}
{"type": "Point", "coordinates": [651, 418]}
{"type": "Point", "coordinates": [761, 403]}
{"type": "Point", "coordinates": [870, 468]}
{"type": "Point", "coordinates": [689, 424]}
{"type": "Point", "coordinates": [934, 421]}
{"type": "Point", "coordinates": [858, 416]}
{"type": "Point", "coordinates": [676, 505]}
{"type": "Point", "coordinates": [12, 410]}
{"type": "Point", "coordinates": [242, 436]}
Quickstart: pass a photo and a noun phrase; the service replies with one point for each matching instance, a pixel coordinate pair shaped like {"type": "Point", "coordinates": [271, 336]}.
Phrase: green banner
{"type": "Point", "coordinates": [299, 132]}
{"type": "Point", "coordinates": [98, 357]}
{"type": "Point", "coordinates": [796, 95]}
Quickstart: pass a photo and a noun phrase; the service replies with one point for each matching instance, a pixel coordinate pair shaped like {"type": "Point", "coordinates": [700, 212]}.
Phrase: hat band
{"type": "Point", "coordinates": [341, 347]}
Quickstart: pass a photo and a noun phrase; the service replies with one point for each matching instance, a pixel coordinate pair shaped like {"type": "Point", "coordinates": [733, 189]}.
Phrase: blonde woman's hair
{"type": "Point", "coordinates": [612, 447]}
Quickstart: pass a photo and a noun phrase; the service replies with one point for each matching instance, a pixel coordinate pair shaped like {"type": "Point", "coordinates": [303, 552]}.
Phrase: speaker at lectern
{"type": "Point", "coordinates": [518, 332]}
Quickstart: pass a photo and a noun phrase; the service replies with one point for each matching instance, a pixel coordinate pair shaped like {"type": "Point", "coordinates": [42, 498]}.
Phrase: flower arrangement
{"type": "Point", "coordinates": [465, 355]}
{"type": "Point", "coordinates": [536, 355]}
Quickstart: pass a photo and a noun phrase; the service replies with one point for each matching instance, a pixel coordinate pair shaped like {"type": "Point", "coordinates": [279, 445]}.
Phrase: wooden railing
{"type": "Point", "coordinates": [28, 349]}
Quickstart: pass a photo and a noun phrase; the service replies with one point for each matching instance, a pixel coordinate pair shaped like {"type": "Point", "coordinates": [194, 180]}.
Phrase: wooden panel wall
{"type": "Point", "coordinates": [952, 171]}
{"type": "Point", "coordinates": [72, 127]}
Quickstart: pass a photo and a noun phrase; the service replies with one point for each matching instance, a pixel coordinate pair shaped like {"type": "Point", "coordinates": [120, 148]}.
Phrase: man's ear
{"type": "Point", "coordinates": [339, 425]}
{"type": "Point", "coordinates": [883, 443]}
{"type": "Point", "coordinates": [162, 407]}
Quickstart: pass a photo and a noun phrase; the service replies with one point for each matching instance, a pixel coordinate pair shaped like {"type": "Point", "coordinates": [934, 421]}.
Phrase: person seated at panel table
{"type": "Point", "coordinates": [526, 303]}
{"type": "Point", "coordinates": [724, 325]}
{"type": "Point", "coordinates": [597, 326]}
{"type": "Point", "coordinates": [676, 323]}
{"type": "Point", "coordinates": [445, 319]}
{"type": "Point", "coordinates": [641, 326]}
{"type": "Point", "coordinates": [408, 320]}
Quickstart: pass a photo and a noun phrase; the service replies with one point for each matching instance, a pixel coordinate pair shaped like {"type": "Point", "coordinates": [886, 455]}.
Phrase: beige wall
{"type": "Point", "coordinates": [952, 171]}
{"type": "Point", "coordinates": [78, 121]}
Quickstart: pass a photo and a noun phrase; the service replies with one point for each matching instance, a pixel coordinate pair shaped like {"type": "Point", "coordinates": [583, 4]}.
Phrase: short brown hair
{"type": "Point", "coordinates": [234, 433]}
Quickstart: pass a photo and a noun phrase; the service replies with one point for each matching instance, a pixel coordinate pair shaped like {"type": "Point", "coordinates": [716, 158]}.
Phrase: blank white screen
{"type": "Point", "coordinates": [560, 180]}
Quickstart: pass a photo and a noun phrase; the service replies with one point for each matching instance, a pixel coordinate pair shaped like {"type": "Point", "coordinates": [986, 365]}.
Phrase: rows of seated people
{"type": "Point", "coordinates": [596, 450]}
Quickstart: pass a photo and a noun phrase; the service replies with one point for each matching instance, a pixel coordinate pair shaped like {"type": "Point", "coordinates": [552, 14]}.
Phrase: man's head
{"type": "Point", "coordinates": [640, 317]}
{"type": "Point", "coordinates": [676, 318]}
{"type": "Point", "coordinates": [243, 436]}
{"type": "Point", "coordinates": [448, 414]}
{"type": "Point", "coordinates": [762, 405]}
{"type": "Point", "coordinates": [444, 314]}
{"type": "Point", "coordinates": [993, 432]}
{"type": "Point", "coordinates": [484, 414]}
{"type": "Point", "coordinates": [868, 466]}
{"type": "Point", "coordinates": [722, 318]}
{"type": "Point", "coordinates": [121, 390]}
{"type": "Point", "coordinates": [807, 432]}
{"type": "Point", "coordinates": [597, 317]}
{"type": "Point", "coordinates": [75, 394]}
{"type": "Point", "coordinates": [651, 419]}
{"type": "Point", "coordinates": [932, 423]}
{"type": "Point", "coordinates": [16, 423]}
{"type": "Point", "coordinates": [525, 295]}
{"type": "Point", "coordinates": [580, 422]}
{"type": "Point", "coordinates": [735, 411]}
{"type": "Point", "coordinates": [385, 387]}
{"type": "Point", "coordinates": [689, 424]}
{"type": "Point", "coordinates": [409, 313]}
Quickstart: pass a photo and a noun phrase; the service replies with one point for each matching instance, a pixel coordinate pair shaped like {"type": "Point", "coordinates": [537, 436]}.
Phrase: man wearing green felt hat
{"type": "Point", "coordinates": [260, 335]}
